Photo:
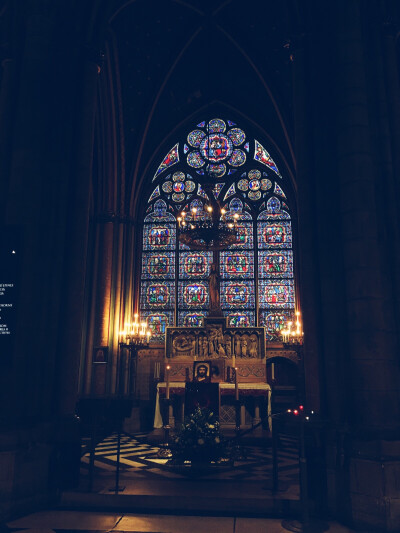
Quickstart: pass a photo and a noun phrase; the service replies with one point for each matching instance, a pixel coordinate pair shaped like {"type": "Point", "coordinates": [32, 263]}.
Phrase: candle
{"type": "Point", "coordinates": [272, 371]}
{"type": "Point", "coordinates": [236, 385]}
{"type": "Point", "coordinates": [167, 379]}
{"type": "Point", "coordinates": [233, 360]}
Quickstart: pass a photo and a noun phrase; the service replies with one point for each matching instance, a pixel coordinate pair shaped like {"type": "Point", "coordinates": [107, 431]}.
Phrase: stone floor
{"type": "Point", "coordinates": [100, 522]}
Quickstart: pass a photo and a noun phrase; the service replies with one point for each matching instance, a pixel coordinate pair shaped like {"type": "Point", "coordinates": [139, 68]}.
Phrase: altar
{"type": "Point", "coordinates": [259, 392]}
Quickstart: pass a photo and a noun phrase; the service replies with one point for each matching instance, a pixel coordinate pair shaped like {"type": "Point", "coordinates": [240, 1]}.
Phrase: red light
{"type": "Point", "coordinates": [301, 407]}
{"type": "Point", "coordinates": [295, 412]}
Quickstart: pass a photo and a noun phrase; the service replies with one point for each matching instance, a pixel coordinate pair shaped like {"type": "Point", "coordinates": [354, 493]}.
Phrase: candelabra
{"type": "Point", "coordinates": [293, 333]}
{"type": "Point", "coordinates": [134, 336]}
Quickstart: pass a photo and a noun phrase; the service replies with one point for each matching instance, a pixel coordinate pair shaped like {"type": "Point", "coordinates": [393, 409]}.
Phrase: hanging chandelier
{"type": "Point", "coordinates": [211, 229]}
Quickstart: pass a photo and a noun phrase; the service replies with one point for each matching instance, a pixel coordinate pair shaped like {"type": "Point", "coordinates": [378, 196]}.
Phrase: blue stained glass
{"type": "Point", "coordinates": [201, 193]}
{"type": "Point", "coordinates": [262, 206]}
{"type": "Point", "coordinates": [237, 136]}
{"type": "Point", "coordinates": [261, 155]}
{"type": "Point", "coordinates": [216, 147]}
{"type": "Point", "coordinates": [232, 171]}
{"type": "Point", "coordinates": [245, 237]}
{"type": "Point", "coordinates": [149, 209]}
{"type": "Point", "coordinates": [230, 192]}
{"type": "Point", "coordinates": [276, 293]}
{"type": "Point", "coordinates": [201, 172]}
{"type": "Point", "coordinates": [242, 319]}
{"type": "Point", "coordinates": [159, 236]}
{"type": "Point", "coordinates": [155, 194]}
{"type": "Point", "coordinates": [194, 138]}
{"type": "Point", "coordinates": [230, 123]}
{"type": "Point", "coordinates": [170, 159]}
{"type": "Point", "coordinates": [247, 147]}
{"type": "Point", "coordinates": [160, 265]}
{"type": "Point", "coordinates": [185, 148]}
{"type": "Point", "coordinates": [274, 322]}
{"type": "Point", "coordinates": [195, 160]}
{"type": "Point", "coordinates": [194, 264]}
{"type": "Point", "coordinates": [217, 189]}
{"type": "Point", "coordinates": [193, 295]}
{"type": "Point", "coordinates": [273, 264]}
{"type": "Point", "coordinates": [157, 294]}
{"type": "Point", "coordinates": [159, 213]}
{"type": "Point", "coordinates": [238, 158]}
{"type": "Point", "coordinates": [216, 125]}
{"type": "Point", "coordinates": [202, 124]}
{"type": "Point", "coordinates": [236, 264]}
{"type": "Point", "coordinates": [236, 294]}
{"type": "Point", "coordinates": [190, 319]}
{"type": "Point", "coordinates": [285, 206]}
{"type": "Point", "coordinates": [278, 190]}
{"type": "Point", "coordinates": [275, 235]}
{"type": "Point", "coordinates": [157, 322]}
{"type": "Point", "coordinates": [274, 211]}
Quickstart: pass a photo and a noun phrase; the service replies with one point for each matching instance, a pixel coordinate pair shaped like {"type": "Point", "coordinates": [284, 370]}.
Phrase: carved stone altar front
{"type": "Point", "coordinates": [243, 348]}
{"type": "Point", "coordinates": [215, 341]}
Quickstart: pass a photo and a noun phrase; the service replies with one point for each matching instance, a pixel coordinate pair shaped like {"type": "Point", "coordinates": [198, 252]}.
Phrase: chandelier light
{"type": "Point", "coordinates": [210, 229]}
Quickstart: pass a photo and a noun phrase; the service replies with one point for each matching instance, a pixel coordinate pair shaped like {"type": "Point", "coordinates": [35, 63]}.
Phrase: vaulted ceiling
{"type": "Point", "coordinates": [181, 61]}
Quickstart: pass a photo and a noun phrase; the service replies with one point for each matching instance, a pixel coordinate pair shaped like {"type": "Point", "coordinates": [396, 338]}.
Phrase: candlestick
{"type": "Point", "coordinates": [167, 368]}
{"type": "Point", "coordinates": [236, 384]}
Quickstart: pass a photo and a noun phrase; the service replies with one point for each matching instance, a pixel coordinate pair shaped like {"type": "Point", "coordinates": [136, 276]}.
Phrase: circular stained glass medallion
{"type": "Point", "coordinates": [179, 186]}
{"type": "Point", "coordinates": [178, 197]}
{"type": "Point", "coordinates": [254, 185]}
{"type": "Point", "coordinates": [266, 184]}
{"type": "Point", "coordinates": [254, 174]}
{"type": "Point", "coordinates": [178, 176]}
{"type": "Point", "coordinates": [216, 170]}
{"type": "Point", "coordinates": [195, 160]}
{"type": "Point", "coordinates": [216, 147]}
{"type": "Point", "coordinates": [216, 125]}
{"type": "Point", "coordinates": [190, 186]}
{"type": "Point", "coordinates": [237, 136]}
{"type": "Point", "coordinates": [237, 159]}
{"type": "Point", "coordinates": [194, 138]}
{"type": "Point", "coordinates": [254, 195]}
{"type": "Point", "coordinates": [243, 185]}
{"type": "Point", "coordinates": [167, 186]}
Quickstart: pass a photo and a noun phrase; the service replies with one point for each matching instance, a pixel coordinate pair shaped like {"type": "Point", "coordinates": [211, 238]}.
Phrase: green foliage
{"type": "Point", "coordinates": [199, 438]}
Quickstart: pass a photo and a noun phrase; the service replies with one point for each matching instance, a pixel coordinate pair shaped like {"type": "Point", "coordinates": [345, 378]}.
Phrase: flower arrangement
{"type": "Point", "coordinates": [199, 439]}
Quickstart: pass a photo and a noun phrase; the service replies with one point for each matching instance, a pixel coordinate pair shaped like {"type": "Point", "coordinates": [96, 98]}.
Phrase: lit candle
{"type": "Point", "coordinates": [236, 384]}
{"type": "Point", "coordinates": [148, 334]}
{"type": "Point", "coordinates": [167, 368]}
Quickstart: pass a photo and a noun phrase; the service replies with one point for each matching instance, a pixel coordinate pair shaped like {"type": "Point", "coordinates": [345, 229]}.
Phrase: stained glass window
{"type": "Point", "coordinates": [257, 273]}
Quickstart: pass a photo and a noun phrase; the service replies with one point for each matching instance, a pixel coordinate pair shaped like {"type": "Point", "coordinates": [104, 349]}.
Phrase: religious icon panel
{"type": "Point", "coordinates": [157, 323]}
{"type": "Point", "coordinates": [244, 319]}
{"type": "Point", "coordinates": [275, 294]}
{"type": "Point", "coordinates": [245, 236]}
{"type": "Point", "coordinates": [159, 237]}
{"type": "Point", "coordinates": [161, 265]}
{"type": "Point", "coordinates": [194, 264]}
{"type": "Point", "coordinates": [275, 264]}
{"type": "Point", "coordinates": [191, 319]}
{"type": "Point", "coordinates": [193, 295]}
{"type": "Point", "coordinates": [274, 322]}
{"type": "Point", "coordinates": [157, 294]}
{"type": "Point", "coordinates": [237, 264]}
{"type": "Point", "coordinates": [237, 294]}
{"type": "Point", "coordinates": [274, 235]}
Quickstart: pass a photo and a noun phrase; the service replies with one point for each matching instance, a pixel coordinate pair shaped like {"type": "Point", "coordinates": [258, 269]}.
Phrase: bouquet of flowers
{"type": "Point", "coordinates": [199, 439]}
